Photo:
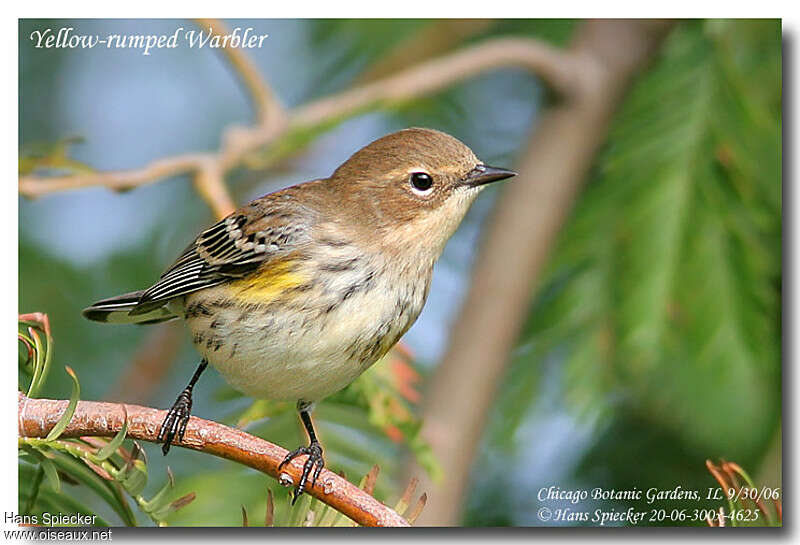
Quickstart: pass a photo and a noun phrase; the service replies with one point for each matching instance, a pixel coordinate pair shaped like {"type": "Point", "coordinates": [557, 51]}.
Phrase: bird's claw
{"type": "Point", "coordinates": [314, 462]}
{"type": "Point", "coordinates": [174, 425]}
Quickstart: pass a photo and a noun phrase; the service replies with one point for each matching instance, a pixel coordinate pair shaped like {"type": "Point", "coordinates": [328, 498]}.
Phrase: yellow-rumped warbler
{"type": "Point", "coordinates": [296, 294]}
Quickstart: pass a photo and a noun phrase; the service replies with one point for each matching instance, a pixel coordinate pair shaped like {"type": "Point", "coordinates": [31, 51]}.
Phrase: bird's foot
{"type": "Point", "coordinates": [315, 462]}
{"type": "Point", "coordinates": [174, 425]}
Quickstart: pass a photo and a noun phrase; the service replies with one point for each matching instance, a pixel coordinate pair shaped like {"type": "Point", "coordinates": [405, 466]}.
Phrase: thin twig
{"type": "Point", "coordinates": [268, 109]}
{"type": "Point", "coordinates": [38, 416]}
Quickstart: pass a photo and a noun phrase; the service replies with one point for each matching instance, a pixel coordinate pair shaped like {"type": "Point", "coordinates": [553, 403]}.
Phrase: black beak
{"type": "Point", "coordinates": [483, 174]}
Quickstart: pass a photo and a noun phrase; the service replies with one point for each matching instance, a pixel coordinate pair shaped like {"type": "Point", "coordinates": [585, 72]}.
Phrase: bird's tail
{"type": "Point", "coordinates": [117, 310]}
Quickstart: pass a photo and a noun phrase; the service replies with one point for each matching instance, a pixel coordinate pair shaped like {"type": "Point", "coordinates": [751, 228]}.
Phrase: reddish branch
{"type": "Point", "coordinates": [38, 416]}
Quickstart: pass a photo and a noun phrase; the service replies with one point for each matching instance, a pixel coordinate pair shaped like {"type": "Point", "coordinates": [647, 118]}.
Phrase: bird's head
{"type": "Point", "coordinates": [413, 187]}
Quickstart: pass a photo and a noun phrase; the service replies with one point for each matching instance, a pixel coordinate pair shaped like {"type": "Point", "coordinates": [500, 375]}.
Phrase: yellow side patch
{"type": "Point", "coordinates": [267, 285]}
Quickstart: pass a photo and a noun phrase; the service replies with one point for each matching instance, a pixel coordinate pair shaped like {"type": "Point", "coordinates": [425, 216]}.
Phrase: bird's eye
{"type": "Point", "coordinates": [421, 183]}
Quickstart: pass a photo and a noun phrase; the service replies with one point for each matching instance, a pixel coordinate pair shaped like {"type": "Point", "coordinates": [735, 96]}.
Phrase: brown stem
{"type": "Point", "coordinates": [38, 416]}
{"type": "Point", "coordinates": [524, 224]}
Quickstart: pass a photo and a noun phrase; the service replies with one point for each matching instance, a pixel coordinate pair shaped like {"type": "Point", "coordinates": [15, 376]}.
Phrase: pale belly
{"type": "Point", "coordinates": [281, 353]}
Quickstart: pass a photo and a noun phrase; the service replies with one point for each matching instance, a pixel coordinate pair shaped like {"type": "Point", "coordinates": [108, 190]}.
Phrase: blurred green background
{"type": "Point", "coordinates": [652, 343]}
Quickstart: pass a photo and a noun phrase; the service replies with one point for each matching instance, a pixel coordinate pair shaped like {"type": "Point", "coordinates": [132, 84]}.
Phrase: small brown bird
{"type": "Point", "coordinates": [297, 293]}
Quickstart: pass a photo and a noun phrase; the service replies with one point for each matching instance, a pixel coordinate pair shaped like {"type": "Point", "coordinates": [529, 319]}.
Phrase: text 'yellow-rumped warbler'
{"type": "Point", "coordinates": [296, 294]}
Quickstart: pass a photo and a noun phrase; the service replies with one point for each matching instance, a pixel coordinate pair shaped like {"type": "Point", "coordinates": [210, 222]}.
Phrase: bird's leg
{"type": "Point", "coordinates": [315, 460]}
{"type": "Point", "coordinates": [174, 425]}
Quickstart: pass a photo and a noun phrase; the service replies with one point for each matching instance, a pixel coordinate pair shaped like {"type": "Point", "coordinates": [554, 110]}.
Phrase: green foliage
{"type": "Point", "coordinates": [666, 283]}
{"type": "Point", "coordinates": [555, 31]}
{"type": "Point", "coordinates": [103, 467]}
{"type": "Point", "coordinates": [35, 362]}
{"type": "Point", "coordinates": [51, 156]}
{"type": "Point", "coordinates": [105, 472]}
{"type": "Point", "coordinates": [277, 507]}
{"type": "Point", "coordinates": [62, 423]}
{"type": "Point", "coordinates": [662, 301]}
{"type": "Point", "coordinates": [748, 504]}
{"type": "Point", "coordinates": [347, 46]}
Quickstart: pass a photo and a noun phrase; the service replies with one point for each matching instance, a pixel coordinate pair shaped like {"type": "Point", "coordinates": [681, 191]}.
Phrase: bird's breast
{"type": "Point", "coordinates": [314, 337]}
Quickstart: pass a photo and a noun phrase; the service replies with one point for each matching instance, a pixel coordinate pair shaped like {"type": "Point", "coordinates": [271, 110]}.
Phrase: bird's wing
{"type": "Point", "coordinates": [230, 249]}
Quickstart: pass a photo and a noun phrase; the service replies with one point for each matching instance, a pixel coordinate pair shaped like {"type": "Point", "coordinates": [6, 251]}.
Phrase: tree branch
{"type": "Point", "coordinates": [551, 64]}
{"type": "Point", "coordinates": [38, 416]}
